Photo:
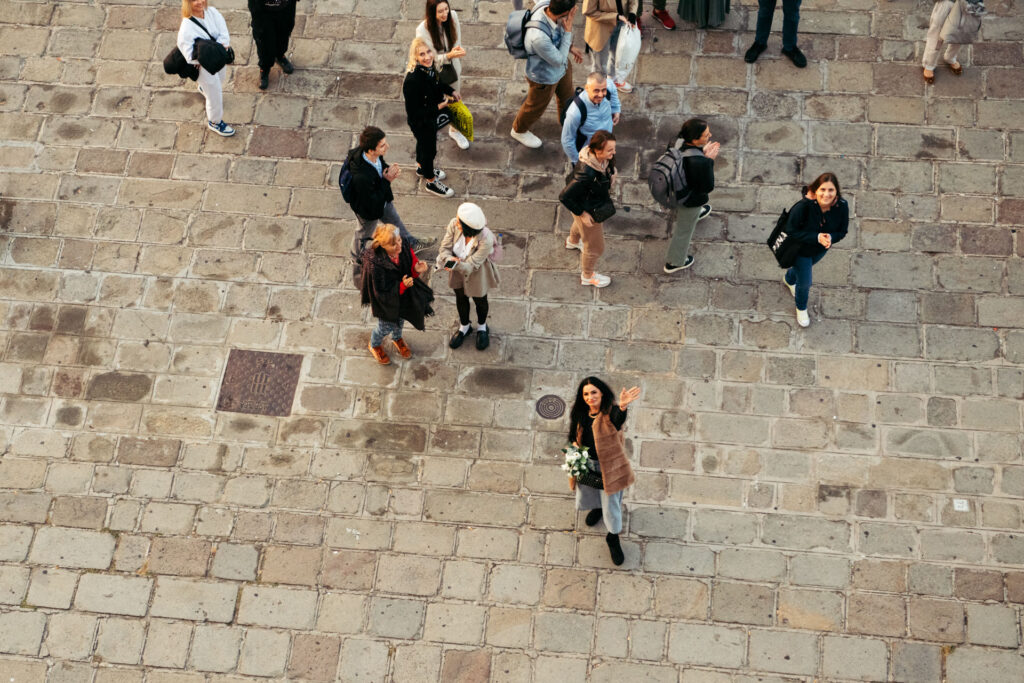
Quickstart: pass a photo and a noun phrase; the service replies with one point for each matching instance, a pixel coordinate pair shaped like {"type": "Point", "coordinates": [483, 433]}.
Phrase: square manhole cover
{"type": "Point", "coordinates": [259, 383]}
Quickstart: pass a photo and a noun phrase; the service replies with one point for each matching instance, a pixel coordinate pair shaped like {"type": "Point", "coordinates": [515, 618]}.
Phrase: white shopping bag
{"type": "Point", "coordinates": [627, 49]}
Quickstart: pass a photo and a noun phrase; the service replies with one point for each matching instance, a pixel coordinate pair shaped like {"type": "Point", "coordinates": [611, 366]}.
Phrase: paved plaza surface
{"type": "Point", "coordinates": [841, 502]}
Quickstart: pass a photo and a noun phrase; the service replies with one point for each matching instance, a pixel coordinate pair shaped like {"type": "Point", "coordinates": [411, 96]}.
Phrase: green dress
{"type": "Point", "coordinates": [704, 13]}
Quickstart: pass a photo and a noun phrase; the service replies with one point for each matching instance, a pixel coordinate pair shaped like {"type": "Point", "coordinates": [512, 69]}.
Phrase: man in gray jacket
{"type": "Point", "coordinates": [548, 40]}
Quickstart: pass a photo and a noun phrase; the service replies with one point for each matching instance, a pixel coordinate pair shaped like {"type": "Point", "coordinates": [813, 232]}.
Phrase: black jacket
{"type": "Point", "coordinates": [369, 191]}
{"type": "Point", "coordinates": [260, 7]}
{"type": "Point", "coordinates": [700, 177]}
{"type": "Point", "coordinates": [807, 221]}
{"type": "Point", "coordinates": [587, 188]}
{"type": "Point", "coordinates": [423, 92]}
{"type": "Point", "coordinates": [381, 288]}
{"type": "Point", "coordinates": [175, 64]}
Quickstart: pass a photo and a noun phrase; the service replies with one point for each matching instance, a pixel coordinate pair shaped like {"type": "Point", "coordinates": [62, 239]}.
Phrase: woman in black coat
{"type": "Point", "coordinates": [818, 221]}
{"type": "Point", "coordinates": [392, 288]}
{"type": "Point", "coordinates": [425, 97]}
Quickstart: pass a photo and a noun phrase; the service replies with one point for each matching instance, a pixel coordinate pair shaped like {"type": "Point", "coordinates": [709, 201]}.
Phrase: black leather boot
{"type": "Point", "coordinates": [613, 545]}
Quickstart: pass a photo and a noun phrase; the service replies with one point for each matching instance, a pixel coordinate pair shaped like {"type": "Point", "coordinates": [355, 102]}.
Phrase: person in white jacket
{"type": "Point", "coordinates": [210, 85]}
{"type": "Point", "coordinates": [441, 31]}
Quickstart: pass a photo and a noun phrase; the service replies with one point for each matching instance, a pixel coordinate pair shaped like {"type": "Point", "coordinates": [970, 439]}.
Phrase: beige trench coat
{"type": "Point", "coordinates": [475, 274]}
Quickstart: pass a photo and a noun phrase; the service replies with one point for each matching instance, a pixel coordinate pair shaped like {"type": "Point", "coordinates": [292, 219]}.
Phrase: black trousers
{"type": "Point", "coordinates": [271, 30]}
{"type": "Point", "coordinates": [426, 148]}
{"type": "Point", "coordinates": [462, 306]}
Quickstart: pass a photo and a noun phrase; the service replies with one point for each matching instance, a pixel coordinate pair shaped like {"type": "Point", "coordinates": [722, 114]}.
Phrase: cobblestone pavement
{"type": "Point", "coordinates": [797, 511]}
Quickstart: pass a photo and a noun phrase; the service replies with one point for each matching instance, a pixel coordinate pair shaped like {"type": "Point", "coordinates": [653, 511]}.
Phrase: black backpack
{"type": "Point", "coordinates": [581, 139]}
{"type": "Point", "coordinates": [781, 241]}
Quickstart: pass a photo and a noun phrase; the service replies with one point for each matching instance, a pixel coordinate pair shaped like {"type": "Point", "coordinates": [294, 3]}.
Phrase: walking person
{"type": "Point", "coordinates": [818, 221]}
{"type": "Point", "coordinates": [604, 19]}
{"type": "Point", "coordinates": [441, 31]}
{"type": "Point", "coordinates": [370, 195]}
{"type": "Point", "coordinates": [596, 108]}
{"type": "Point", "coordinates": [596, 423]}
{"type": "Point", "coordinates": [588, 197]}
{"type": "Point", "coordinates": [465, 252]}
{"type": "Point", "coordinates": [941, 12]}
{"type": "Point", "coordinates": [272, 24]}
{"type": "Point", "coordinates": [425, 97]}
{"type": "Point", "coordinates": [790, 24]}
{"type": "Point", "coordinates": [699, 155]}
{"type": "Point", "coordinates": [548, 42]}
{"type": "Point", "coordinates": [392, 288]}
{"type": "Point", "coordinates": [704, 13]}
{"type": "Point", "coordinates": [201, 22]}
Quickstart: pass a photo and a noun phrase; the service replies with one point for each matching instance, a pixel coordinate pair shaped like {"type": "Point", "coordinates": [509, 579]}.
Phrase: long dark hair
{"type": "Point", "coordinates": [434, 29]}
{"type": "Point", "coordinates": [581, 410]}
{"type": "Point", "coordinates": [826, 177]}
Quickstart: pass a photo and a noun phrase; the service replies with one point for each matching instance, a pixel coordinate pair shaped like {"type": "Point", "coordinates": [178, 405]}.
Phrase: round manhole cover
{"type": "Point", "coordinates": [550, 407]}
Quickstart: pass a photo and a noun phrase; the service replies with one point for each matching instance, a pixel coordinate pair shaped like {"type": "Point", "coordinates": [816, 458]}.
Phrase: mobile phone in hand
{"type": "Point", "coordinates": [450, 263]}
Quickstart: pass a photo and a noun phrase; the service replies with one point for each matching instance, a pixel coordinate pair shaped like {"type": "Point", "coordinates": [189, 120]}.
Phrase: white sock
{"type": "Point", "coordinates": [465, 329]}
{"type": "Point", "coordinates": [482, 327]}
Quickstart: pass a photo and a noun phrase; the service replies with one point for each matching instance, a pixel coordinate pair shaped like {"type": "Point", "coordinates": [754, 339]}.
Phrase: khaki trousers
{"type": "Point", "coordinates": [538, 97]}
{"type": "Point", "coordinates": [592, 240]}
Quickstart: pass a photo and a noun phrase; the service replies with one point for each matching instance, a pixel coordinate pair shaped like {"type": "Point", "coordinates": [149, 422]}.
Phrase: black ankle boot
{"type": "Point", "coordinates": [613, 545]}
{"type": "Point", "coordinates": [593, 517]}
{"type": "Point", "coordinates": [264, 79]}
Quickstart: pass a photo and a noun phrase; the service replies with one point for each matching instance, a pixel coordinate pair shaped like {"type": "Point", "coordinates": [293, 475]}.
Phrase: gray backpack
{"type": "Point", "coordinates": [667, 179]}
{"type": "Point", "coordinates": [515, 29]}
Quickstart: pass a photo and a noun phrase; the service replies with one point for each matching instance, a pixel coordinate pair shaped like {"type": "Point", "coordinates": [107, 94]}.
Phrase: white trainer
{"type": "Point", "coordinates": [571, 245]}
{"type": "Point", "coordinates": [459, 138]}
{"type": "Point", "coordinates": [623, 87]}
{"type": "Point", "coordinates": [595, 280]}
{"type": "Point", "coordinates": [791, 288]}
{"type": "Point", "coordinates": [528, 139]}
{"type": "Point", "coordinates": [802, 318]}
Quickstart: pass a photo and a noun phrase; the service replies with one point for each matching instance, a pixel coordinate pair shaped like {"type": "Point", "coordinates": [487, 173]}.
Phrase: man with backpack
{"type": "Point", "coordinates": [547, 45]}
{"type": "Point", "coordinates": [682, 179]}
{"type": "Point", "coordinates": [595, 108]}
{"type": "Point", "coordinates": [365, 181]}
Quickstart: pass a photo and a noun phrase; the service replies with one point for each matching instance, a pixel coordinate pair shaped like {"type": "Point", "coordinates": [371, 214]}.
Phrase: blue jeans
{"type": "Point", "coordinates": [383, 329]}
{"type": "Point", "coordinates": [790, 21]}
{"type": "Point", "coordinates": [800, 276]}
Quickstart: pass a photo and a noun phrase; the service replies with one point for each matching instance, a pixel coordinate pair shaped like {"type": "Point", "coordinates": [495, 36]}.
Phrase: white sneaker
{"type": "Point", "coordinates": [623, 87]}
{"type": "Point", "coordinates": [570, 245]}
{"type": "Point", "coordinates": [595, 280]}
{"type": "Point", "coordinates": [802, 318]}
{"type": "Point", "coordinates": [791, 288]}
{"type": "Point", "coordinates": [527, 138]}
{"type": "Point", "coordinates": [459, 138]}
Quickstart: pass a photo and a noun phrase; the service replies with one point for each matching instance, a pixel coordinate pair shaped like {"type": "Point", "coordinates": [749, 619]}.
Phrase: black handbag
{"type": "Point", "coordinates": [602, 211]}
{"type": "Point", "coordinates": [784, 246]}
{"type": "Point", "coordinates": [444, 117]}
{"type": "Point", "coordinates": [591, 478]}
{"type": "Point", "coordinates": [447, 74]}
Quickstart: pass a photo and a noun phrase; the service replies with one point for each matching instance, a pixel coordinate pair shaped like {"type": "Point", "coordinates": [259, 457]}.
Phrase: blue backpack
{"type": "Point", "coordinates": [345, 179]}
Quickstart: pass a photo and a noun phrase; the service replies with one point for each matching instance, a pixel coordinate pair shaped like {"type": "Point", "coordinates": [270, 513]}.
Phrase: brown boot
{"type": "Point", "coordinates": [379, 354]}
{"type": "Point", "coordinates": [402, 347]}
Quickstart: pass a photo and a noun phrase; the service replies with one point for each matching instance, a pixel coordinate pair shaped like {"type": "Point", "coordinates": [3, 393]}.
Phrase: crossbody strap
{"type": "Point", "coordinates": [200, 25]}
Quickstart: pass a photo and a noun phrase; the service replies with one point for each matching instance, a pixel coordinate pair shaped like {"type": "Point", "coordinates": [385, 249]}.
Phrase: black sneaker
{"type": "Point", "coordinates": [705, 211]}
{"type": "Point", "coordinates": [286, 66]}
{"type": "Point", "coordinates": [669, 268]}
{"type": "Point", "coordinates": [264, 79]}
{"type": "Point", "coordinates": [753, 52]}
{"type": "Point", "coordinates": [796, 57]}
{"type": "Point", "coordinates": [439, 188]}
{"type": "Point", "coordinates": [421, 243]}
{"type": "Point", "coordinates": [438, 174]}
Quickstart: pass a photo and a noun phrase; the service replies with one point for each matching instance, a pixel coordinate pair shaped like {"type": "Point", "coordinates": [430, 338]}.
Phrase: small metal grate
{"type": "Point", "coordinates": [259, 383]}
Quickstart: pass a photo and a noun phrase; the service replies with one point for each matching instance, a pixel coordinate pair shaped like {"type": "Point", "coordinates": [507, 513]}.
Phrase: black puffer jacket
{"type": "Point", "coordinates": [369, 191]}
{"type": "Point", "coordinates": [381, 287]}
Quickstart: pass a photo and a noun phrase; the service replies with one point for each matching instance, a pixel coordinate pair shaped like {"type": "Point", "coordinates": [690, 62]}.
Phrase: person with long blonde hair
{"type": "Point", "coordinates": [426, 100]}
{"type": "Point", "coordinates": [199, 21]}
{"type": "Point", "coordinates": [441, 31]}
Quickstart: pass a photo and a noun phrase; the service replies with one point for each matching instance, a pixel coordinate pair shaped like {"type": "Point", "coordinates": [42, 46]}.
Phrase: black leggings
{"type": "Point", "coordinates": [462, 305]}
{"type": "Point", "coordinates": [426, 149]}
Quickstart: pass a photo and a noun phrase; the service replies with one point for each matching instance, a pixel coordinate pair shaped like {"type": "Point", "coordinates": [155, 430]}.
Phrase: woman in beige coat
{"type": "Point", "coordinates": [465, 253]}
{"type": "Point", "coordinates": [601, 30]}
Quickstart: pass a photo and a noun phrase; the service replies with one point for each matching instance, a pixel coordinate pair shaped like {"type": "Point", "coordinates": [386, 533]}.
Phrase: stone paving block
{"type": "Point", "coordinates": [936, 620]}
{"type": "Point", "coordinates": [121, 640]}
{"type": "Point", "coordinates": [215, 648]}
{"type": "Point", "coordinates": [21, 633]}
{"type": "Point", "coordinates": [114, 594]}
{"type": "Point", "coordinates": [72, 548]}
{"type": "Point", "coordinates": [235, 561]}
{"type": "Point", "coordinates": [167, 644]}
{"type": "Point", "coordinates": [263, 653]}
{"type": "Point", "coordinates": [864, 659]}
{"type": "Point", "coordinates": [983, 666]}
{"type": "Point", "coordinates": [314, 657]}
{"type": "Point", "coordinates": [782, 652]}
{"type": "Point", "coordinates": [364, 659]}
{"type": "Point", "coordinates": [995, 625]}
{"type": "Point", "coordinates": [707, 645]}
{"type": "Point", "coordinates": [394, 618]}
{"type": "Point", "coordinates": [194, 600]}
{"type": "Point", "coordinates": [276, 607]}
{"type": "Point", "coordinates": [70, 636]}
{"type": "Point", "coordinates": [13, 584]}
{"type": "Point", "coordinates": [561, 632]}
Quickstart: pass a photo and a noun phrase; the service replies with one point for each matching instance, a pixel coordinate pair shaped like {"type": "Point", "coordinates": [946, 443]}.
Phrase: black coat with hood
{"type": "Point", "coordinates": [370, 191]}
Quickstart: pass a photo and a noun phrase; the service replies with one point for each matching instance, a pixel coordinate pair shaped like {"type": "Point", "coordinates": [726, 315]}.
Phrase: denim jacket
{"type": "Point", "coordinates": [548, 50]}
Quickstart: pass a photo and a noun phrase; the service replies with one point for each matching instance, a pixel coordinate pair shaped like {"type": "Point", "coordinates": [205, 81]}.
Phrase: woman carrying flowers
{"type": "Point", "coordinates": [595, 429]}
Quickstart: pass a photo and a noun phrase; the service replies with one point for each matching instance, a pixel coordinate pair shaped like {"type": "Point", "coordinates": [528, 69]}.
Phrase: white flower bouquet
{"type": "Point", "coordinates": [576, 461]}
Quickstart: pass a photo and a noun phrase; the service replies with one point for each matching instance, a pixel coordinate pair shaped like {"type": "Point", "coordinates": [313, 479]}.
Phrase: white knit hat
{"type": "Point", "coordinates": [472, 216]}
